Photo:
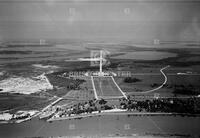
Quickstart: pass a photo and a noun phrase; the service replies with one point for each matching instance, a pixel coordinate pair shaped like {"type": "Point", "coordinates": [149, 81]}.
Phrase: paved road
{"type": "Point", "coordinates": [94, 89]}
{"type": "Point", "coordinates": [149, 91]}
{"type": "Point", "coordinates": [105, 87]}
{"type": "Point", "coordinates": [161, 70]}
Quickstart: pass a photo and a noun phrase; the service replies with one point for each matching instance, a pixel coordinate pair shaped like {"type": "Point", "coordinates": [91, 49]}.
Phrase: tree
{"type": "Point", "coordinates": [102, 101]}
{"type": "Point", "coordinates": [131, 80]}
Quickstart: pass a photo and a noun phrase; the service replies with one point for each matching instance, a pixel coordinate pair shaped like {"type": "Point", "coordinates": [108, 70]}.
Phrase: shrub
{"type": "Point", "coordinates": [131, 80]}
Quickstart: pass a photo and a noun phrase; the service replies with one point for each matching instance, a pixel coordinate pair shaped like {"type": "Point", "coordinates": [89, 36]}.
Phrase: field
{"type": "Point", "coordinates": [151, 81]}
{"type": "Point", "coordinates": [143, 85]}
{"type": "Point", "coordinates": [15, 102]}
{"type": "Point", "coordinates": [51, 56]}
{"type": "Point", "coordinates": [66, 103]}
{"type": "Point", "coordinates": [105, 87]}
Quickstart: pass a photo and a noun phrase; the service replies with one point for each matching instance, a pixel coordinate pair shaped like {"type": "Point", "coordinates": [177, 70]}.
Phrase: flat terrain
{"type": "Point", "coordinates": [15, 102]}
{"type": "Point", "coordinates": [109, 125]}
{"type": "Point", "coordinates": [24, 57]}
{"type": "Point", "coordinates": [18, 60]}
{"type": "Point", "coordinates": [105, 87]}
{"type": "Point", "coordinates": [151, 81]}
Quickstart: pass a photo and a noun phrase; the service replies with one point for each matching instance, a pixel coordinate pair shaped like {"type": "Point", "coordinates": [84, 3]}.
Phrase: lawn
{"type": "Point", "coordinates": [149, 82]}
{"type": "Point", "coordinates": [106, 87]}
{"type": "Point", "coordinates": [21, 102]}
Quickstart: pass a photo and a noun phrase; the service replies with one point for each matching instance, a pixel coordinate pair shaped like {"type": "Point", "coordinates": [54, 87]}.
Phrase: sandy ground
{"type": "Point", "coordinates": [25, 85]}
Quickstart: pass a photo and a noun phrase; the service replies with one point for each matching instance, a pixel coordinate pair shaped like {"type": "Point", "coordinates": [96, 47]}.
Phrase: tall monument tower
{"type": "Point", "coordinates": [100, 64]}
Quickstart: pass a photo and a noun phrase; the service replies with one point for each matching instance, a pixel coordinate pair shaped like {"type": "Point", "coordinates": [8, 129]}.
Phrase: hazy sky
{"type": "Point", "coordinates": [136, 20]}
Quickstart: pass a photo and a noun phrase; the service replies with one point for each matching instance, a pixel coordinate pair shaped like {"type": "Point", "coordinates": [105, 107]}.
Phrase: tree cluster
{"type": "Point", "coordinates": [131, 80]}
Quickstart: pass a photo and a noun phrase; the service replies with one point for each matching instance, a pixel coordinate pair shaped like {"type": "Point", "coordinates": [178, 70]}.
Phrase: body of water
{"type": "Point", "coordinates": [145, 55]}
{"type": "Point", "coordinates": [112, 125]}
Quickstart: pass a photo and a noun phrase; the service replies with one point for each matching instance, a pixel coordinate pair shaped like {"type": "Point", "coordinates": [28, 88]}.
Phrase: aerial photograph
{"type": "Point", "coordinates": [100, 68]}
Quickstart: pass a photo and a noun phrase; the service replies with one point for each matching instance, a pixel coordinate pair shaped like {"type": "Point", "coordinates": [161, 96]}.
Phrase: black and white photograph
{"type": "Point", "coordinates": [99, 68]}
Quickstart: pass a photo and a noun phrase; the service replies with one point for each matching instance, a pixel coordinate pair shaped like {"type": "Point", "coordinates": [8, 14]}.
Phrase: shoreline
{"type": "Point", "coordinates": [123, 113]}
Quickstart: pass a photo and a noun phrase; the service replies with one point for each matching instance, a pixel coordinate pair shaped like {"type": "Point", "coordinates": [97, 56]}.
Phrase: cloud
{"type": "Point", "coordinates": [192, 31]}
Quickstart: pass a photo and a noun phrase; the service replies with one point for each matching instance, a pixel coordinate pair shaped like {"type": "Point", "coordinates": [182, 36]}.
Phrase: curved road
{"type": "Point", "coordinates": [149, 91]}
{"type": "Point", "coordinates": [127, 93]}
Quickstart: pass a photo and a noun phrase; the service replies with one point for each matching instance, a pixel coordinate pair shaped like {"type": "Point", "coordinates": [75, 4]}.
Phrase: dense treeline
{"type": "Point", "coordinates": [68, 83]}
{"type": "Point", "coordinates": [189, 105]}
{"type": "Point", "coordinates": [167, 105]}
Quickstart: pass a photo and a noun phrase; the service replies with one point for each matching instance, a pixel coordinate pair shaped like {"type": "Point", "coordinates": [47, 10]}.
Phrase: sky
{"type": "Point", "coordinates": [121, 20]}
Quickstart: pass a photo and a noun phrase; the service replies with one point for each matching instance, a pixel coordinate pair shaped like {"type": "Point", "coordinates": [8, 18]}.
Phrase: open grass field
{"type": "Point", "coordinates": [105, 87]}
{"type": "Point", "coordinates": [85, 91]}
{"type": "Point", "coordinates": [66, 103]}
{"type": "Point", "coordinates": [186, 60]}
{"type": "Point", "coordinates": [149, 82]}
{"type": "Point", "coordinates": [14, 102]}
{"type": "Point", "coordinates": [143, 85]}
